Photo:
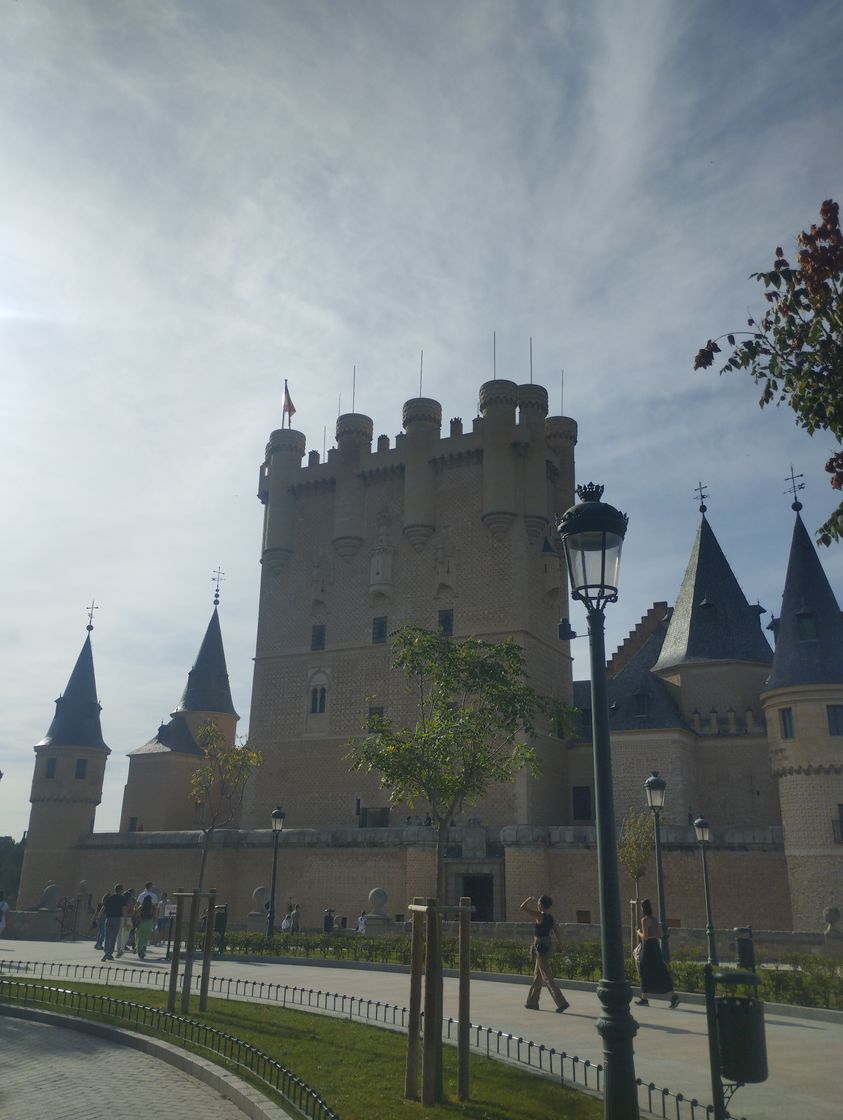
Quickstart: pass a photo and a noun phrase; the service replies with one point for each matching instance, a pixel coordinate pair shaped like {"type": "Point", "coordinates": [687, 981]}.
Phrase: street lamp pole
{"type": "Point", "coordinates": [655, 788]}
{"type": "Point", "coordinates": [703, 831]}
{"type": "Point", "coordinates": [277, 818]}
{"type": "Point", "coordinates": [592, 533]}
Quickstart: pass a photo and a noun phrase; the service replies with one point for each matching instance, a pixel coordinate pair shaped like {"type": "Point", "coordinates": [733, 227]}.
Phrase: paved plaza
{"type": "Point", "coordinates": [41, 1079]}
{"type": "Point", "coordinates": [806, 1073]}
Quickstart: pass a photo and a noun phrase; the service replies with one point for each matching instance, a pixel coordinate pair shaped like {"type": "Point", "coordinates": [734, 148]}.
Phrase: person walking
{"type": "Point", "coordinates": [126, 923]}
{"type": "Point", "coordinates": [653, 972]}
{"type": "Point", "coordinates": [361, 922]}
{"type": "Point", "coordinates": [99, 923]}
{"type": "Point", "coordinates": [113, 905]}
{"type": "Point", "coordinates": [4, 909]}
{"type": "Point", "coordinates": [145, 914]}
{"type": "Point", "coordinates": [295, 919]}
{"type": "Point", "coordinates": [539, 909]}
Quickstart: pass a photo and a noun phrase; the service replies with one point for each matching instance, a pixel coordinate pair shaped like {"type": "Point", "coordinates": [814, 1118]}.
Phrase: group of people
{"type": "Point", "coordinates": [124, 920]}
{"type": "Point", "coordinates": [291, 922]}
{"type": "Point", "coordinates": [653, 972]}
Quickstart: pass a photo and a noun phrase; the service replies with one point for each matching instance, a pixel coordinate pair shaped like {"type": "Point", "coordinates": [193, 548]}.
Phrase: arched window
{"type": "Point", "coordinates": [317, 693]}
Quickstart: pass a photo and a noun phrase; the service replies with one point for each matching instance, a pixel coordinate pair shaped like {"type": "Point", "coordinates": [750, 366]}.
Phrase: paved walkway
{"type": "Point", "coordinates": [42, 1078]}
{"type": "Point", "coordinates": [671, 1048]}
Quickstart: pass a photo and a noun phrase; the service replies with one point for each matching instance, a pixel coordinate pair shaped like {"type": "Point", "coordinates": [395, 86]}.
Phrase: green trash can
{"type": "Point", "coordinates": [743, 1044]}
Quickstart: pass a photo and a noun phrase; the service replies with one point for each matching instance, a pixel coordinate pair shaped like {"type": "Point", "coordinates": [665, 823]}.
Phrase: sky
{"type": "Point", "coordinates": [201, 199]}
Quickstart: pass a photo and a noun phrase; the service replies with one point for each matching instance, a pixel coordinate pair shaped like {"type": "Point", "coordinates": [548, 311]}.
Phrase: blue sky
{"type": "Point", "coordinates": [198, 200]}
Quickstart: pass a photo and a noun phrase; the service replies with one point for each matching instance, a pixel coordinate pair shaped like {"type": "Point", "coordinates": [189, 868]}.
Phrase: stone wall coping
{"type": "Point", "coordinates": [552, 836]}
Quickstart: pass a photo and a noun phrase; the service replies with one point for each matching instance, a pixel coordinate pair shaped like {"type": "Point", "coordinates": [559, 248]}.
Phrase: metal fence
{"type": "Point", "coordinates": [568, 1069]}
{"type": "Point", "coordinates": [242, 1056]}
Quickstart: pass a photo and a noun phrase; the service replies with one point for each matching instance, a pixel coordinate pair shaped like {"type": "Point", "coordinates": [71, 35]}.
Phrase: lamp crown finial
{"type": "Point", "coordinates": [591, 492]}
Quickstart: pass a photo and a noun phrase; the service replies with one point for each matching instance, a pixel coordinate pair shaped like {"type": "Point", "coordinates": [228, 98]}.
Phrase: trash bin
{"type": "Point", "coordinates": [745, 948]}
{"type": "Point", "coordinates": [220, 926]}
{"type": "Point", "coordinates": [743, 1045]}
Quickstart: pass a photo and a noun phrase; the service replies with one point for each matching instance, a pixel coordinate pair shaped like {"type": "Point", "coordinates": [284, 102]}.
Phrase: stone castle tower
{"type": "Point", "coordinates": [454, 531]}
{"type": "Point", "coordinates": [67, 780]}
{"type": "Point", "coordinates": [803, 703]}
{"type": "Point", "coordinates": [157, 796]}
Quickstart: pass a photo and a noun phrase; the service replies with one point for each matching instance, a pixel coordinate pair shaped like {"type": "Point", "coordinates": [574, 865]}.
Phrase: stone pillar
{"type": "Point", "coordinates": [422, 418]}
{"type": "Point", "coordinates": [532, 405]}
{"type": "Point", "coordinates": [284, 454]}
{"type": "Point", "coordinates": [354, 442]}
{"type": "Point", "coordinates": [498, 400]}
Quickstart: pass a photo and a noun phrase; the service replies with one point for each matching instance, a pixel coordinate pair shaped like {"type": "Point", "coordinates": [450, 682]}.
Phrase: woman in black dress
{"type": "Point", "coordinates": [539, 909]}
{"type": "Point", "coordinates": [655, 979]}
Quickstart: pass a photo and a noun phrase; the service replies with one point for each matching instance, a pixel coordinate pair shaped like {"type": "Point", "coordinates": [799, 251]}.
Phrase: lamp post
{"type": "Point", "coordinates": [655, 788]}
{"type": "Point", "coordinates": [592, 533]}
{"type": "Point", "coordinates": [703, 831]}
{"type": "Point", "coordinates": [277, 818]}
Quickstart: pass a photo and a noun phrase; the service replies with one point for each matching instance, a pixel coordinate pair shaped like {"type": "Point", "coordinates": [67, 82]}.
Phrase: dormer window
{"type": "Point", "coordinates": [640, 705]}
{"type": "Point", "coordinates": [806, 626]}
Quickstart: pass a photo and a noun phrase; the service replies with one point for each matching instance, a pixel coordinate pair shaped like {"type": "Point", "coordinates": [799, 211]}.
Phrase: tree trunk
{"type": "Point", "coordinates": [206, 843]}
{"type": "Point", "coordinates": [441, 840]}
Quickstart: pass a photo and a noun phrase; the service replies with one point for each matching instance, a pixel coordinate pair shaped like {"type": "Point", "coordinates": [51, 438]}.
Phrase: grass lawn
{"type": "Point", "coordinates": [359, 1070]}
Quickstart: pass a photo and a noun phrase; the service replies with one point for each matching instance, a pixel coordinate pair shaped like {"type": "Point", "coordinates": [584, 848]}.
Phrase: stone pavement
{"type": "Point", "coordinates": [671, 1049]}
{"type": "Point", "coordinates": [42, 1078]}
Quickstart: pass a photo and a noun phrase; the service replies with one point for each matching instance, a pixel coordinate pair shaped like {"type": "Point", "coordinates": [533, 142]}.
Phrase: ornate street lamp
{"type": "Point", "coordinates": [655, 788]}
{"type": "Point", "coordinates": [277, 817]}
{"type": "Point", "coordinates": [703, 831]}
{"type": "Point", "coordinates": [592, 534]}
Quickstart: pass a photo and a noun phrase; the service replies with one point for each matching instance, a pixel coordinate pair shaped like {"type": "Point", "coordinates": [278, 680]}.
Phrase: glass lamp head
{"type": "Point", "coordinates": [592, 534]}
{"type": "Point", "coordinates": [655, 788]}
{"type": "Point", "coordinates": [703, 830]}
{"type": "Point", "coordinates": [277, 817]}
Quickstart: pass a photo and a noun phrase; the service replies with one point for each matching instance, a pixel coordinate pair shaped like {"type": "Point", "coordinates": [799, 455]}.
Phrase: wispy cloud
{"type": "Point", "coordinates": [200, 199]}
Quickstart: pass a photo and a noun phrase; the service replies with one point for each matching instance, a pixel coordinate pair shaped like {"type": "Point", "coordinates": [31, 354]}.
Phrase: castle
{"type": "Point", "coordinates": [457, 532]}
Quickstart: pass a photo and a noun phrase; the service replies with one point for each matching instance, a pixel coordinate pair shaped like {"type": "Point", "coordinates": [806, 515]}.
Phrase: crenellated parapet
{"type": "Point", "coordinates": [526, 459]}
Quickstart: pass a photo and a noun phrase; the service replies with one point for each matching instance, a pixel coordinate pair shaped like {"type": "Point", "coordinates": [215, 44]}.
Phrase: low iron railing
{"type": "Point", "coordinates": [569, 1069]}
{"type": "Point", "coordinates": [242, 1056]}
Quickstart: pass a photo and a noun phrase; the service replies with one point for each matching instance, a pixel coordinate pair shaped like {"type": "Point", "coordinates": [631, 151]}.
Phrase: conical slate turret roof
{"type": "Point", "coordinates": [77, 719]}
{"type": "Point", "coordinates": [207, 688]}
{"type": "Point", "coordinates": [809, 634]}
{"type": "Point", "coordinates": [712, 621]}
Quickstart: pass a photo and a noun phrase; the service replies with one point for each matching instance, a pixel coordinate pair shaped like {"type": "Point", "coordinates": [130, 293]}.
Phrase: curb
{"type": "Point", "coordinates": [250, 1101]}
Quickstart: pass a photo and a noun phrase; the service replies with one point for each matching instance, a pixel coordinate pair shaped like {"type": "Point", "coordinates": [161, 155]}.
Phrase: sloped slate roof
{"type": "Point", "coordinates": [804, 660]}
{"type": "Point", "coordinates": [638, 700]}
{"type": "Point", "coordinates": [172, 737]}
{"type": "Point", "coordinates": [77, 719]}
{"type": "Point", "coordinates": [207, 688]}
{"type": "Point", "coordinates": [712, 621]}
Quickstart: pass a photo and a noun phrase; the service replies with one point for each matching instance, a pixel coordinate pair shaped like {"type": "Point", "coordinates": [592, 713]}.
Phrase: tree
{"type": "Point", "coordinates": [796, 350]}
{"type": "Point", "coordinates": [635, 845]}
{"type": "Point", "coordinates": [11, 862]}
{"type": "Point", "coordinates": [218, 783]}
{"type": "Point", "coordinates": [474, 714]}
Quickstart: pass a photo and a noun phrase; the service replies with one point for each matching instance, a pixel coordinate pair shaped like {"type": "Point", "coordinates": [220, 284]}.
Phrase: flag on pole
{"type": "Point", "coordinates": [289, 408]}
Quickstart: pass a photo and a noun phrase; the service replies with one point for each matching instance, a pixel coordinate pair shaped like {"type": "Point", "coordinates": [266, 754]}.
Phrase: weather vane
{"type": "Point", "coordinates": [90, 610]}
{"type": "Point", "coordinates": [794, 488]}
{"type": "Point", "coordinates": [218, 577]}
{"type": "Point", "coordinates": [699, 490]}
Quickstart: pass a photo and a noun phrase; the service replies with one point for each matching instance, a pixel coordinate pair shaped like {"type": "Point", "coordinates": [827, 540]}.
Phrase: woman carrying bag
{"type": "Point", "coordinates": [655, 978]}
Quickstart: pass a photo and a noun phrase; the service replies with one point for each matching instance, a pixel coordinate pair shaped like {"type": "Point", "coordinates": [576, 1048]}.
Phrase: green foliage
{"type": "Point", "coordinates": [218, 783]}
{"type": "Point", "coordinates": [474, 714]}
{"type": "Point", "coordinates": [795, 352]}
{"type": "Point", "coordinates": [635, 843]}
{"type": "Point", "coordinates": [11, 862]}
